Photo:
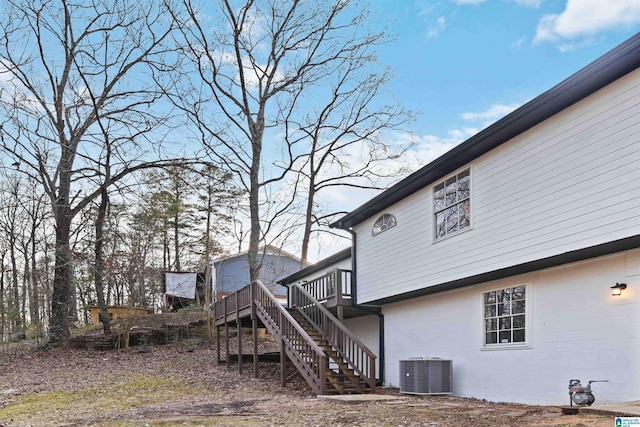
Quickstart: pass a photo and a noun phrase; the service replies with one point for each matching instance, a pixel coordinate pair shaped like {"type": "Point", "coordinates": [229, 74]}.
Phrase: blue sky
{"type": "Point", "coordinates": [463, 64]}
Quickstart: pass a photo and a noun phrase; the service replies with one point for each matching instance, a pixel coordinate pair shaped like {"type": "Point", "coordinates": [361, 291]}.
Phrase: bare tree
{"type": "Point", "coordinates": [345, 134]}
{"type": "Point", "coordinates": [255, 68]}
{"type": "Point", "coordinates": [33, 205]}
{"type": "Point", "coordinates": [70, 65]}
{"type": "Point", "coordinates": [12, 226]}
{"type": "Point", "coordinates": [3, 311]}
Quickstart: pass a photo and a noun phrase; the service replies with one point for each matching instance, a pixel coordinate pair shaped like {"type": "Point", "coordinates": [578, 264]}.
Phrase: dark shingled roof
{"type": "Point", "coordinates": [319, 266]}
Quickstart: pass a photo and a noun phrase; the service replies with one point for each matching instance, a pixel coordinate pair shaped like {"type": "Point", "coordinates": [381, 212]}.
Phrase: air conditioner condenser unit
{"type": "Point", "coordinates": [426, 375]}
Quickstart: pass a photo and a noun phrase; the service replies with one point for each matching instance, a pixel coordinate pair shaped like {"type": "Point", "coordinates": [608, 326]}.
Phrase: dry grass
{"type": "Point", "coordinates": [181, 384]}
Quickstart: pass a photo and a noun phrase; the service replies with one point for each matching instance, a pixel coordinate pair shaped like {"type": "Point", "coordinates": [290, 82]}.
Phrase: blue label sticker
{"type": "Point", "coordinates": [627, 421]}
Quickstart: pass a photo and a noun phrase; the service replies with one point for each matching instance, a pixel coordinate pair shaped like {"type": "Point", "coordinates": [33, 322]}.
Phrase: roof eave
{"type": "Point", "coordinates": [320, 265]}
{"type": "Point", "coordinates": [601, 72]}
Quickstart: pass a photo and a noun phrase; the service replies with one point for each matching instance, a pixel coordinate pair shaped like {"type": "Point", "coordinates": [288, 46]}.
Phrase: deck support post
{"type": "Point", "coordinates": [254, 325]}
{"type": "Point", "coordinates": [324, 364]}
{"type": "Point", "coordinates": [226, 332]}
{"type": "Point", "coordinates": [283, 354]}
{"type": "Point", "coordinates": [217, 344]}
{"type": "Point", "coordinates": [255, 347]}
{"type": "Point", "coordinates": [226, 343]}
{"type": "Point", "coordinates": [239, 332]}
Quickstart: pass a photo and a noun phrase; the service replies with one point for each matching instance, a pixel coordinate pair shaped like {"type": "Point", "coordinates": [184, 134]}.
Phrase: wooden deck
{"type": "Point", "coordinates": [324, 352]}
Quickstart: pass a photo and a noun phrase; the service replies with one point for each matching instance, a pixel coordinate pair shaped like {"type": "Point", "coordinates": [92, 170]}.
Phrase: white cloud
{"type": "Point", "coordinates": [424, 8]}
{"type": "Point", "coordinates": [518, 43]}
{"type": "Point", "coordinates": [468, 1]}
{"type": "Point", "coordinates": [490, 115]}
{"type": "Point", "coordinates": [435, 30]}
{"type": "Point", "coordinates": [425, 149]}
{"type": "Point", "coordinates": [583, 18]}
{"type": "Point", "coordinates": [434, 22]}
{"type": "Point", "coordinates": [430, 147]}
{"type": "Point", "coordinates": [528, 3]}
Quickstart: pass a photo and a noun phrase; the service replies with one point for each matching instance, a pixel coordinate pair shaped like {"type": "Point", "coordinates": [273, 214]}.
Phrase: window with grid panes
{"type": "Point", "coordinates": [504, 316]}
{"type": "Point", "coordinates": [451, 204]}
{"type": "Point", "coordinates": [383, 223]}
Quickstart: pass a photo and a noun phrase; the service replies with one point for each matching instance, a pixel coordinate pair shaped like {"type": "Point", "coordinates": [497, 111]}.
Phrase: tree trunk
{"type": "Point", "coordinates": [34, 304]}
{"type": "Point", "coordinates": [306, 235]}
{"type": "Point", "coordinates": [176, 241]}
{"type": "Point", "coordinates": [166, 258]}
{"type": "Point", "coordinates": [254, 208]}
{"type": "Point", "coordinates": [14, 311]}
{"type": "Point", "coordinates": [2, 308]}
{"type": "Point", "coordinates": [59, 322]}
{"type": "Point", "coordinates": [26, 286]}
{"type": "Point", "coordinates": [99, 265]}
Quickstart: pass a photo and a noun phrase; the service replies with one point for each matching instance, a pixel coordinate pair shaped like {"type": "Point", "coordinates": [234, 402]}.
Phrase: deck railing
{"type": "Point", "coordinates": [235, 302]}
{"type": "Point", "coordinates": [306, 355]}
{"type": "Point", "coordinates": [347, 345]}
{"type": "Point", "coordinates": [335, 284]}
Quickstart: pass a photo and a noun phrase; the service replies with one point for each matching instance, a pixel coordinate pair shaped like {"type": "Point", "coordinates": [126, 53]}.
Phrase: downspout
{"type": "Point", "coordinates": [354, 303]}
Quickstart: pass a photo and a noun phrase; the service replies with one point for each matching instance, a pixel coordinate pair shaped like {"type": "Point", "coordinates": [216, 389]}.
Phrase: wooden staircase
{"type": "Point", "coordinates": [341, 378]}
{"type": "Point", "coordinates": [325, 353]}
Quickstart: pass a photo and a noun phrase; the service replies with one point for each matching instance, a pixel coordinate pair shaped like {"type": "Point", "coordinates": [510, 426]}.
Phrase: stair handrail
{"type": "Point", "coordinates": [314, 360]}
{"type": "Point", "coordinates": [364, 362]}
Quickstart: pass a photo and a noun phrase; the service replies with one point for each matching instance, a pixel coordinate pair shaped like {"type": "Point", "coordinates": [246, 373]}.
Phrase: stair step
{"type": "Point", "coordinates": [345, 376]}
{"type": "Point", "coordinates": [340, 377]}
{"type": "Point", "coordinates": [345, 388]}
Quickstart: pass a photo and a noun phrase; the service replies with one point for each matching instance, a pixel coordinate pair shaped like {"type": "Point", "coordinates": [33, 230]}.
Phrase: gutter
{"type": "Point", "coordinates": [354, 304]}
{"type": "Point", "coordinates": [613, 65]}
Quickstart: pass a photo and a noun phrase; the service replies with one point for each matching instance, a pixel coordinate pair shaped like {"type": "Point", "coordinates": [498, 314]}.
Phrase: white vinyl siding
{"type": "Point", "coordinates": [568, 183]}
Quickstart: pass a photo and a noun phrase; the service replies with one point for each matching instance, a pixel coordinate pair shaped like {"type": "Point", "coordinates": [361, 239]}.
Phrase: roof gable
{"type": "Point", "coordinates": [606, 69]}
{"type": "Point", "coordinates": [262, 251]}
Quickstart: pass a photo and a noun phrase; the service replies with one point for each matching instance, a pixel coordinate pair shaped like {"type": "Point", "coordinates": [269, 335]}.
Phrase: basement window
{"type": "Point", "coordinates": [385, 222]}
{"type": "Point", "coordinates": [504, 316]}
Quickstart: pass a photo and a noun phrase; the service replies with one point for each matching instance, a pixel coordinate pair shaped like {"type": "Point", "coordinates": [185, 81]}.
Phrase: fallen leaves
{"type": "Point", "coordinates": [181, 384]}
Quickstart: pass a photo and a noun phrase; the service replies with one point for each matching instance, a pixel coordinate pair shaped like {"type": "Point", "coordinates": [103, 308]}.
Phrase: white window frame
{"type": "Point", "coordinates": [386, 225]}
{"type": "Point", "coordinates": [527, 343]}
{"type": "Point", "coordinates": [439, 208]}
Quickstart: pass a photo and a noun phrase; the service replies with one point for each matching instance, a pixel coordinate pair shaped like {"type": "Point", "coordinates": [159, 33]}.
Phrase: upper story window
{"type": "Point", "coordinates": [451, 204]}
{"type": "Point", "coordinates": [385, 222]}
{"type": "Point", "coordinates": [504, 316]}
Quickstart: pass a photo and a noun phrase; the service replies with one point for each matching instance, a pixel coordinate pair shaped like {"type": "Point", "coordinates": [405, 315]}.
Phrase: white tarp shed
{"type": "Point", "coordinates": [182, 285]}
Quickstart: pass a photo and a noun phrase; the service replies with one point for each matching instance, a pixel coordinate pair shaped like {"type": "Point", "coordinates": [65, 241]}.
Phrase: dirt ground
{"type": "Point", "coordinates": [181, 384]}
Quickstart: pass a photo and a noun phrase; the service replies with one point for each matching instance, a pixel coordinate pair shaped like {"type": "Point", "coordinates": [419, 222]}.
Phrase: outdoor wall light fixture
{"type": "Point", "coordinates": [617, 289]}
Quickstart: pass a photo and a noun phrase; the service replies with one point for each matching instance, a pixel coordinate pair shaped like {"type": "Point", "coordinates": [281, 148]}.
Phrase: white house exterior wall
{"type": "Point", "coordinates": [367, 329]}
{"type": "Point", "coordinates": [568, 183]}
{"type": "Point", "coordinates": [576, 329]}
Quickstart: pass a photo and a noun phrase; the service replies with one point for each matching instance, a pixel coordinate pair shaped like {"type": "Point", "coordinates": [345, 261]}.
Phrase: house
{"type": "Point", "coordinates": [504, 254]}
{"type": "Point", "coordinates": [232, 272]}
